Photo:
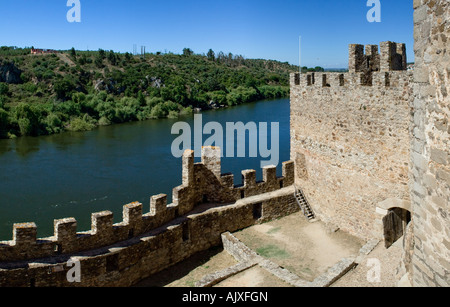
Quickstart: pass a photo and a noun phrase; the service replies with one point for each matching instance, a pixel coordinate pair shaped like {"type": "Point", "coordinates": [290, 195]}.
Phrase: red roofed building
{"type": "Point", "coordinates": [42, 51]}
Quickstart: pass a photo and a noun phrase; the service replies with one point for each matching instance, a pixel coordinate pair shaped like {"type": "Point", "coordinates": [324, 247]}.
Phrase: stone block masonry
{"type": "Point", "coordinates": [206, 205]}
{"type": "Point", "coordinates": [392, 57]}
{"type": "Point", "coordinates": [350, 160]}
{"type": "Point", "coordinates": [430, 146]}
{"type": "Point", "coordinates": [350, 138]}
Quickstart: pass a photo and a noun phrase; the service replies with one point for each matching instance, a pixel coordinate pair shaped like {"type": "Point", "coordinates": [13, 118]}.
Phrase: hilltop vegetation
{"type": "Point", "coordinates": [79, 90]}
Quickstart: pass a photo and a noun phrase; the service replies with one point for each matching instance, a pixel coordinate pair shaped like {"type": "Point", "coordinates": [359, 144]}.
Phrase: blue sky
{"type": "Point", "coordinates": [252, 28]}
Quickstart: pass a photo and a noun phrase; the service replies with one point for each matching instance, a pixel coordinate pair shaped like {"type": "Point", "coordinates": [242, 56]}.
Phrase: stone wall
{"type": "Point", "coordinates": [350, 144]}
{"type": "Point", "coordinates": [205, 206]}
{"type": "Point", "coordinates": [391, 57]}
{"type": "Point", "coordinates": [430, 144]}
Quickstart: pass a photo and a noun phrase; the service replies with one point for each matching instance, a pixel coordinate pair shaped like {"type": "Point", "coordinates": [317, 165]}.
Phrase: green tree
{"type": "Point", "coordinates": [211, 55]}
{"type": "Point", "coordinates": [99, 62]}
{"type": "Point", "coordinates": [112, 58]}
{"type": "Point", "coordinates": [187, 52]}
{"type": "Point", "coordinates": [30, 87]}
{"type": "Point", "coordinates": [82, 60]}
{"type": "Point", "coordinates": [101, 54]}
{"type": "Point", "coordinates": [53, 123]}
{"type": "Point", "coordinates": [141, 99]}
{"type": "Point", "coordinates": [4, 89]}
{"type": "Point", "coordinates": [158, 112]}
{"type": "Point", "coordinates": [64, 88]}
{"type": "Point", "coordinates": [28, 119]}
{"type": "Point", "coordinates": [73, 53]}
{"type": "Point", "coordinates": [4, 122]}
{"type": "Point", "coordinates": [85, 123]}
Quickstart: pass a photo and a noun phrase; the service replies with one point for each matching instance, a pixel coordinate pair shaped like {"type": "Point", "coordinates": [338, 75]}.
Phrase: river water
{"type": "Point", "coordinates": [76, 174]}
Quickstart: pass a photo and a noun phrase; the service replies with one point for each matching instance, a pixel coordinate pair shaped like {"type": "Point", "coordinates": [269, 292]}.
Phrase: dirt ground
{"type": "Point", "coordinates": [188, 272]}
{"type": "Point", "coordinates": [389, 261]}
{"type": "Point", "coordinates": [305, 249]}
{"type": "Point", "coordinates": [253, 277]}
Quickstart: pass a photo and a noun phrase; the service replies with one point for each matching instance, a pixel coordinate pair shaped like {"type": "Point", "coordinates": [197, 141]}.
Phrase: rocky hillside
{"type": "Point", "coordinates": [9, 73]}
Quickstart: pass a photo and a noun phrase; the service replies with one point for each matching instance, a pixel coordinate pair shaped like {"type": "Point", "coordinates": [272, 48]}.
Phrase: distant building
{"type": "Point", "coordinates": [42, 51]}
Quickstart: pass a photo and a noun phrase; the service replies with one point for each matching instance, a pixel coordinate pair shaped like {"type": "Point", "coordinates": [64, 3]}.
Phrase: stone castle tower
{"type": "Point", "coordinates": [372, 146]}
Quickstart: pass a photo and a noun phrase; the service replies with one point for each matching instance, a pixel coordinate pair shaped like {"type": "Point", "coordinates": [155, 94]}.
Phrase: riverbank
{"type": "Point", "coordinates": [87, 112]}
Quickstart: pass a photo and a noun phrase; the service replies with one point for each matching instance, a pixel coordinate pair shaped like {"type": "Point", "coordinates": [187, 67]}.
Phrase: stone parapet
{"type": "Point", "coordinates": [202, 183]}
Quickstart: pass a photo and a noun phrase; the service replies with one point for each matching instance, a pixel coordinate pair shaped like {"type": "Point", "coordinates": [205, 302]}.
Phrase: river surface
{"type": "Point", "coordinates": [76, 174]}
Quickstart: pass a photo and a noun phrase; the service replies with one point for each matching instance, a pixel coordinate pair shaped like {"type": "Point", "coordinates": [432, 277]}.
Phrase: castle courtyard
{"type": "Point", "coordinates": [305, 249]}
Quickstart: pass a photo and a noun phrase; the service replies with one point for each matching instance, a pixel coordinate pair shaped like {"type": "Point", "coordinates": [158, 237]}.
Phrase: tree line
{"type": "Point", "coordinates": [79, 90]}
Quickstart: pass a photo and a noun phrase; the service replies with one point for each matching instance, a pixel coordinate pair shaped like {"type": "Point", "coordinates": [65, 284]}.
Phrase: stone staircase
{"type": "Point", "coordinates": [304, 204]}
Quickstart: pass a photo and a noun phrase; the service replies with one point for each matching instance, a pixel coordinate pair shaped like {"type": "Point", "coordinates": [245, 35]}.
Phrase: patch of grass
{"type": "Point", "coordinates": [307, 270]}
{"type": "Point", "coordinates": [274, 230]}
{"type": "Point", "coordinates": [272, 251]}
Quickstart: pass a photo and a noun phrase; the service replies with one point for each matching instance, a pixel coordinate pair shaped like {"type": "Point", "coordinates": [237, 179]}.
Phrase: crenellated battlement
{"type": "Point", "coordinates": [201, 183]}
{"type": "Point", "coordinates": [350, 81]}
{"type": "Point", "coordinates": [381, 67]}
{"type": "Point", "coordinates": [390, 57]}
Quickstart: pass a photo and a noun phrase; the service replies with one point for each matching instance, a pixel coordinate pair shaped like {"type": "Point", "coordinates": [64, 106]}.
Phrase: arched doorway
{"type": "Point", "coordinates": [394, 225]}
